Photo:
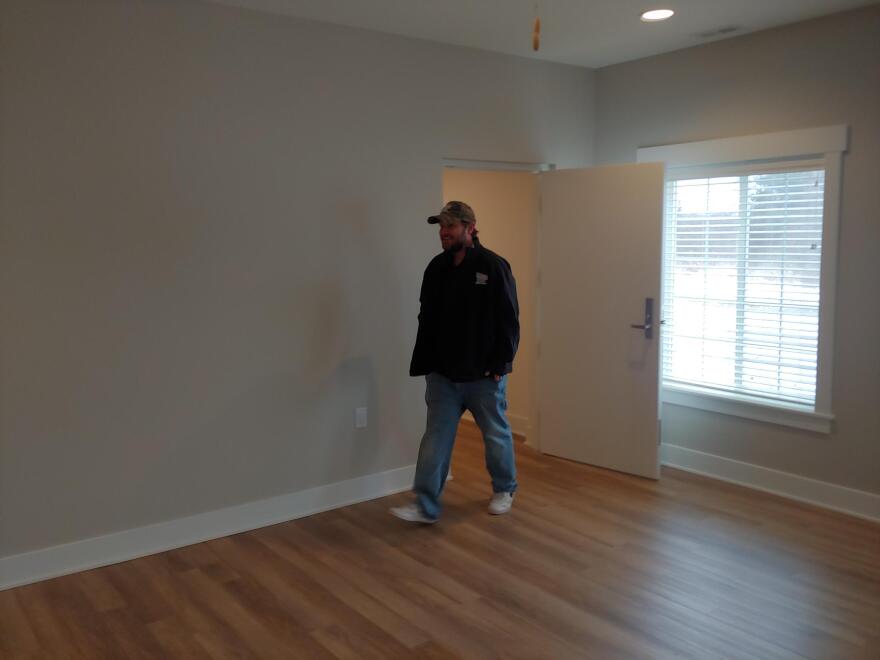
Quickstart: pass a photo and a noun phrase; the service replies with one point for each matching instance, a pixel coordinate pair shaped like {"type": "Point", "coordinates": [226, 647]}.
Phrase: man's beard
{"type": "Point", "coordinates": [455, 247]}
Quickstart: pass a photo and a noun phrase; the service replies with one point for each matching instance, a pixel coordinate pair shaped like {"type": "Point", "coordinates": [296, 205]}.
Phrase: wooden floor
{"type": "Point", "coordinates": [589, 564]}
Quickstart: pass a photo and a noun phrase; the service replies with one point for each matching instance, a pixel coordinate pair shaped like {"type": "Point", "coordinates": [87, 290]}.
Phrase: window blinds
{"type": "Point", "coordinates": [741, 268]}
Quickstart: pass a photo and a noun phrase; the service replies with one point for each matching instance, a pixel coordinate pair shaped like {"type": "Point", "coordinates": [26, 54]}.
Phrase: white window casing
{"type": "Point", "coordinates": [748, 374]}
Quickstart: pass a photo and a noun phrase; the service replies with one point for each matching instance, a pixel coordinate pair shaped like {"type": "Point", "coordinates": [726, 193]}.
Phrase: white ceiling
{"type": "Point", "coordinates": [590, 33]}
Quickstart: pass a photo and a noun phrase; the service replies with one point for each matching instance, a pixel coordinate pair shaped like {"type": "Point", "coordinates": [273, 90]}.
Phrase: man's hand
{"type": "Point", "coordinates": [497, 378]}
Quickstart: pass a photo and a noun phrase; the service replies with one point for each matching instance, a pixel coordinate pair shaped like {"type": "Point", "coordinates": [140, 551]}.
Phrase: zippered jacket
{"type": "Point", "coordinates": [469, 317]}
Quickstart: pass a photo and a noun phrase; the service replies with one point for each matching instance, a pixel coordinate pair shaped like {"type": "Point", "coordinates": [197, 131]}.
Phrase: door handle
{"type": "Point", "coordinates": [648, 325]}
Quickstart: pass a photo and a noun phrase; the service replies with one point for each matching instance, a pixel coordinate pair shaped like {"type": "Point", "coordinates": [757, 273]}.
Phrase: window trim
{"type": "Point", "coordinates": [825, 145]}
{"type": "Point", "coordinates": [743, 405]}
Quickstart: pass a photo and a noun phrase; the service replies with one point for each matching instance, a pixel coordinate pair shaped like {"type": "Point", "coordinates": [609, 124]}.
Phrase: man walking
{"type": "Point", "coordinates": [467, 338]}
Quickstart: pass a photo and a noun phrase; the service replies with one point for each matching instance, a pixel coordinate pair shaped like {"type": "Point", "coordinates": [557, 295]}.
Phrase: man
{"type": "Point", "coordinates": [467, 338]}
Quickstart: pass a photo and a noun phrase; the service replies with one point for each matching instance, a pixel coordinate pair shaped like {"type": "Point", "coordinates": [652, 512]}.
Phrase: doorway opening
{"type": "Point", "coordinates": [505, 198]}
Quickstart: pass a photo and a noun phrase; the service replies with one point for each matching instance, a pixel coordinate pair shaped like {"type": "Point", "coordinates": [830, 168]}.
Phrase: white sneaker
{"type": "Point", "coordinates": [411, 513]}
{"type": "Point", "coordinates": [501, 503]}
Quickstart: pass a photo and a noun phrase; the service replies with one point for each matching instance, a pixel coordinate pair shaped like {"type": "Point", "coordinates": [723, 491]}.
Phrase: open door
{"type": "Point", "coordinates": [599, 255]}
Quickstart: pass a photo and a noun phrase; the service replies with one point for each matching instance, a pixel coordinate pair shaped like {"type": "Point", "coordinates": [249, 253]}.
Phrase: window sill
{"type": "Point", "coordinates": [799, 417]}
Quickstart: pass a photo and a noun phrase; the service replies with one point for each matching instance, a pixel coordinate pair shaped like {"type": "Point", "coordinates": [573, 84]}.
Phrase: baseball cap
{"type": "Point", "coordinates": [454, 211]}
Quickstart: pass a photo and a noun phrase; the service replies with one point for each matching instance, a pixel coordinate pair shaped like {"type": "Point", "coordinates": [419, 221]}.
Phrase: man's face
{"type": "Point", "coordinates": [455, 235]}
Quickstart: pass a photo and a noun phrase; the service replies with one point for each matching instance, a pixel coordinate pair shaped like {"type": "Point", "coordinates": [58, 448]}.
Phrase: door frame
{"type": "Point", "coordinates": [532, 434]}
{"type": "Point", "coordinates": [496, 165]}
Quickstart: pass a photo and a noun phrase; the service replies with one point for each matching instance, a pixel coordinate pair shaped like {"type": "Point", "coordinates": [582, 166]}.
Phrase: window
{"type": "Point", "coordinates": [749, 251]}
{"type": "Point", "coordinates": [741, 281]}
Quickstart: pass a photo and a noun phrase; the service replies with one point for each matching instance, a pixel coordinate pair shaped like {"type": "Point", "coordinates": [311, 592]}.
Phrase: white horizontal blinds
{"type": "Point", "coordinates": [741, 283]}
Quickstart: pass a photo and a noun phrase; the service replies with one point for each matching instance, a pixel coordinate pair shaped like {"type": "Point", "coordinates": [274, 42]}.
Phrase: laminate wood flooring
{"type": "Point", "coordinates": [588, 564]}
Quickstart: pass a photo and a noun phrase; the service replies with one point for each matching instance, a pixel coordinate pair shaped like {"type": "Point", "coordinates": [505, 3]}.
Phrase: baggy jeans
{"type": "Point", "coordinates": [487, 400]}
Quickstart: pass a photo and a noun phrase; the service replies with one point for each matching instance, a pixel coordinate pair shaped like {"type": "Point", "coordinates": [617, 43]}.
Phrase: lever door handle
{"type": "Point", "coordinates": [648, 325]}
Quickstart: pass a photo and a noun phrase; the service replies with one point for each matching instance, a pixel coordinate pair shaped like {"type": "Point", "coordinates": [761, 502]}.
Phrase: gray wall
{"type": "Point", "coordinates": [211, 243]}
{"type": "Point", "coordinates": [816, 73]}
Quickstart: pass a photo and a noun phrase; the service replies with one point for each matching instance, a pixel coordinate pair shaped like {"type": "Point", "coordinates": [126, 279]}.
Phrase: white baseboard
{"type": "Point", "coordinates": [821, 493]}
{"type": "Point", "coordinates": [518, 423]}
{"type": "Point", "coordinates": [82, 555]}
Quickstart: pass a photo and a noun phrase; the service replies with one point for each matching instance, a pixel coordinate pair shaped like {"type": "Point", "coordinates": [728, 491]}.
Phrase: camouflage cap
{"type": "Point", "coordinates": [454, 211]}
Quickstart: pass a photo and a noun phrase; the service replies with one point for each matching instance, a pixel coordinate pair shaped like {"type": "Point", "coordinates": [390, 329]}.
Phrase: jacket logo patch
{"type": "Point", "coordinates": [482, 278]}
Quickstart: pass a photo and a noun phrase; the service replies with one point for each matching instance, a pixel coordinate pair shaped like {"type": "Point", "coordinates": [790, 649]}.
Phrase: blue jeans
{"type": "Point", "coordinates": [487, 401]}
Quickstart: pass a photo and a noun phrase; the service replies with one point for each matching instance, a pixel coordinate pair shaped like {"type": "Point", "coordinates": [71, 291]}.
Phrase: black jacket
{"type": "Point", "coordinates": [469, 318]}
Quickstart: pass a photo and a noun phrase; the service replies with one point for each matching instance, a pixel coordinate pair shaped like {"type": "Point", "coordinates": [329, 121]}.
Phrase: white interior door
{"type": "Point", "coordinates": [599, 259]}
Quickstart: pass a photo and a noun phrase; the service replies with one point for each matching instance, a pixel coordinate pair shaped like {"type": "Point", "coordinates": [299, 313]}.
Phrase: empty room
{"type": "Point", "coordinates": [422, 329]}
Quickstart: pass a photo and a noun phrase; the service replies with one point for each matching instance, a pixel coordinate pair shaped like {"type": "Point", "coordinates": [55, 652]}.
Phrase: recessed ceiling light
{"type": "Point", "coordinates": [657, 15]}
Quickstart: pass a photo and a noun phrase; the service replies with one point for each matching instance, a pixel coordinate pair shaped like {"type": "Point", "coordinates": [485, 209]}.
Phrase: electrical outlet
{"type": "Point", "coordinates": [360, 418]}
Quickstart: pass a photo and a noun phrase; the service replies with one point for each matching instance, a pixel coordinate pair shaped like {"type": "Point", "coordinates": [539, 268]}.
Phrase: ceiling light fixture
{"type": "Point", "coordinates": [657, 15]}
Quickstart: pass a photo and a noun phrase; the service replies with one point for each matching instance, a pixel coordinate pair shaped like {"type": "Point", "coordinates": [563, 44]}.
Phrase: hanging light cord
{"type": "Point", "coordinates": [536, 31]}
